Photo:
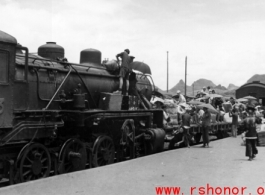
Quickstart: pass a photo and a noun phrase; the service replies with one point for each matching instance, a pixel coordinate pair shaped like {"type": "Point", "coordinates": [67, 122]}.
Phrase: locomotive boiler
{"type": "Point", "coordinates": [57, 117]}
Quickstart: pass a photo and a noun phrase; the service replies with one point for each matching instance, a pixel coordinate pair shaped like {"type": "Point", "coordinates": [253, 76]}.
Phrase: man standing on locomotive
{"type": "Point", "coordinates": [124, 70]}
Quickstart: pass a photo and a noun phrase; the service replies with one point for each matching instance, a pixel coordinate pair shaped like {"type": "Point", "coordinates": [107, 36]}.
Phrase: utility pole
{"type": "Point", "coordinates": [186, 76]}
{"type": "Point", "coordinates": [193, 89]}
{"type": "Point", "coordinates": [167, 71]}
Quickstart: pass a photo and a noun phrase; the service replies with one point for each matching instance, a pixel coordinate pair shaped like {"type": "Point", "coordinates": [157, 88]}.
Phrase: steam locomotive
{"type": "Point", "coordinates": [58, 117]}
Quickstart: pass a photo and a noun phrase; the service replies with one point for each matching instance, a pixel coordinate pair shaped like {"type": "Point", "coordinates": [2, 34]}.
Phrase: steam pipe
{"type": "Point", "coordinates": [70, 70]}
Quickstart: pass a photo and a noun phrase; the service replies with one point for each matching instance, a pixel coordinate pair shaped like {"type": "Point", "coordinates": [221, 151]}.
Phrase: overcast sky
{"type": "Point", "coordinates": [224, 40]}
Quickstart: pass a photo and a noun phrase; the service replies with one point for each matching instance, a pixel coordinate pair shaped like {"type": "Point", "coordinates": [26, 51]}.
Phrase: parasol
{"type": "Point", "coordinates": [250, 98]}
{"type": "Point", "coordinates": [202, 92]}
{"type": "Point", "coordinates": [242, 100]}
{"type": "Point", "coordinates": [238, 105]}
{"type": "Point", "coordinates": [202, 98]}
{"type": "Point", "coordinates": [185, 105]}
{"type": "Point", "coordinates": [158, 94]}
{"type": "Point", "coordinates": [156, 99]}
{"type": "Point", "coordinates": [195, 102]}
{"type": "Point", "coordinates": [209, 106]}
{"type": "Point", "coordinates": [140, 66]}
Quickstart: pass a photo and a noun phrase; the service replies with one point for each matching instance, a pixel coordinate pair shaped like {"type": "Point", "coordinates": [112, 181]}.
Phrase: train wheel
{"type": "Point", "coordinates": [35, 163]}
{"type": "Point", "coordinates": [146, 149]}
{"type": "Point", "coordinates": [127, 142]}
{"type": "Point", "coordinates": [72, 157]}
{"type": "Point", "coordinates": [103, 151]}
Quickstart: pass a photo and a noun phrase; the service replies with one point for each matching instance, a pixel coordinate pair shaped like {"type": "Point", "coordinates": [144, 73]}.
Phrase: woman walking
{"type": "Point", "coordinates": [251, 134]}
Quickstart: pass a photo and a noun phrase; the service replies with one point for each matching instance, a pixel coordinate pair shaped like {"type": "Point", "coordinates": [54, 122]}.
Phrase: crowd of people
{"type": "Point", "coordinates": [180, 114]}
{"type": "Point", "coordinates": [242, 115]}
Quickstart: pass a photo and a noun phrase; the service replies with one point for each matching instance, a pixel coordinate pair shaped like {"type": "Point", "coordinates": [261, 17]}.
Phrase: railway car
{"type": "Point", "coordinates": [57, 117]}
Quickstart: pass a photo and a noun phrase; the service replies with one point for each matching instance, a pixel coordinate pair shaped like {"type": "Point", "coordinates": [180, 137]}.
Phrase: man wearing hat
{"type": "Point", "coordinates": [251, 135]}
{"type": "Point", "coordinates": [181, 98]}
{"type": "Point", "coordinates": [204, 90]}
{"type": "Point", "coordinates": [124, 69]}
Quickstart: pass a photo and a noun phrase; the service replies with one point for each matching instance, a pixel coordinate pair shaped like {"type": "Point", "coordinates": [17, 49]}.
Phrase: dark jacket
{"type": "Point", "coordinates": [249, 124]}
{"type": "Point", "coordinates": [186, 119]}
{"type": "Point", "coordinates": [206, 119]}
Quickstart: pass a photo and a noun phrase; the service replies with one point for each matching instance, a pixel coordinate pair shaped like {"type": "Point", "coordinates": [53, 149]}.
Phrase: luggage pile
{"type": "Point", "coordinates": [171, 110]}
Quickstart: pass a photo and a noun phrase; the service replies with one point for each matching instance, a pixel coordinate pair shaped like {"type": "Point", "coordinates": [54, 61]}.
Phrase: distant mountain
{"type": "Point", "coordinates": [229, 93]}
{"type": "Point", "coordinates": [257, 77]}
{"type": "Point", "coordinates": [232, 87]}
{"type": "Point", "coordinates": [180, 86]}
{"type": "Point", "coordinates": [220, 87]}
{"type": "Point", "coordinates": [199, 84]}
{"type": "Point", "coordinates": [159, 90]}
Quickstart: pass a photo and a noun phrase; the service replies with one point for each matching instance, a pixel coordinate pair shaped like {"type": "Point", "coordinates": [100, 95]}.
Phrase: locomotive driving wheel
{"type": "Point", "coordinates": [35, 163]}
{"type": "Point", "coordinates": [72, 157]}
{"type": "Point", "coordinates": [127, 142]}
{"type": "Point", "coordinates": [103, 151]}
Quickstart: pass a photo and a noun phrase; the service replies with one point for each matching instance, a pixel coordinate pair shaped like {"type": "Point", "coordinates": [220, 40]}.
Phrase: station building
{"type": "Point", "coordinates": [255, 89]}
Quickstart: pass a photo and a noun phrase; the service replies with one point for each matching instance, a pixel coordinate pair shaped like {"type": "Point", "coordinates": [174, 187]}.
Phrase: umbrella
{"type": "Point", "coordinates": [185, 105]}
{"type": "Point", "coordinates": [195, 102]}
{"type": "Point", "coordinates": [189, 97]}
{"type": "Point", "coordinates": [140, 66]}
{"type": "Point", "coordinates": [202, 98]}
{"type": "Point", "coordinates": [250, 97]}
{"type": "Point", "coordinates": [209, 106]}
{"type": "Point", "coordinates": [238, 105]}
{"type": "Point", "coordinates": [214, 95]}
{"type": "Point", "coordinates": [242, 100]}
{"type": "Point", "coordinates": [156, 99]}
{"type": "Point", "coordinates": [202, 92]}
{"type": "Point", "coordinates": [158, 94]}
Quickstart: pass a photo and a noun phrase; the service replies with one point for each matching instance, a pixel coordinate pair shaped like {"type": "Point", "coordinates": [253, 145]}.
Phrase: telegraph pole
{"type": "Point", "coordinates": [193, 89]}
{"type": "Point", "coordinates": [186, 76]}
{"type": "Point", "coordinates": [167, 71]}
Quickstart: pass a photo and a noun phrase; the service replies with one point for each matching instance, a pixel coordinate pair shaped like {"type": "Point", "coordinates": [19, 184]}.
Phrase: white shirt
{"type": "Point", "coordinates": [200, 113]}
{"type": "Point", "coordinates": [182, 98]}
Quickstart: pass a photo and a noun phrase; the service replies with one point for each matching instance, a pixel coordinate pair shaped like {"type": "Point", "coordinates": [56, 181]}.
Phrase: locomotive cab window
{"type": "Point", "coordinates": [4, 56]}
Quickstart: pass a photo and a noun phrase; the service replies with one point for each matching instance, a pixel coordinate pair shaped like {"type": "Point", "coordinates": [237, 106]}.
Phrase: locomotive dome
{"type": "Point", "coordinates": [51, 50]}
{"type": "Point", "coordinates": [6, 38]}
{"type": "Point", "coordinates": [88, 56]}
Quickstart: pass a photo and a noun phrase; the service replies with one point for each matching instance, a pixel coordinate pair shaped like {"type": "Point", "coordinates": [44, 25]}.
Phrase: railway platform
{"type": "Point", "coordinates": [220, 169]}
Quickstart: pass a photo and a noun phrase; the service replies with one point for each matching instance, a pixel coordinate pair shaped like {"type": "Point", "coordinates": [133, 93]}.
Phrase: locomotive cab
{"type": "Point", "coordinates": [13, 92]}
